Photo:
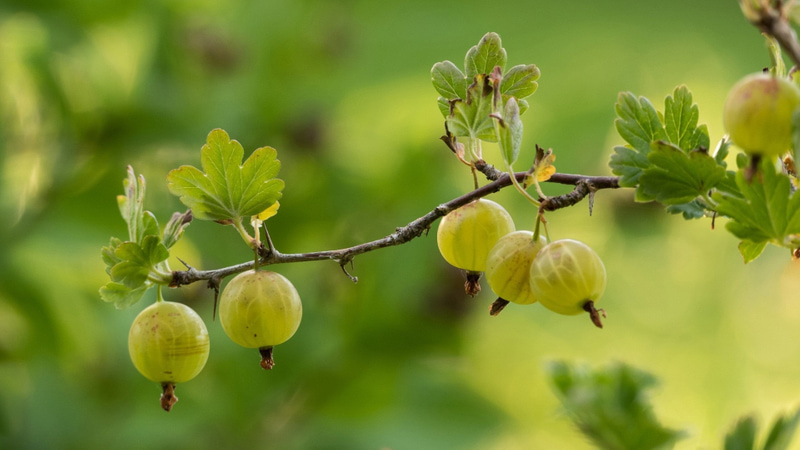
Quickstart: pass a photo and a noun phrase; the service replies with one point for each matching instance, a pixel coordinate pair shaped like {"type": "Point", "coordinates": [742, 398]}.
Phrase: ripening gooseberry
{"type": "Point", "coordinates": [758, 114]}
{"type": "Point", "coordinates": [508, 266]}
{"type": "Point", "coordinates": [568, 277]}
{"type": "Point", "coordinates": [466, 235]}
{"type": "Point", "coordinates": [260, 309]}
{"type": "Point", "coordinates": [168, 344]}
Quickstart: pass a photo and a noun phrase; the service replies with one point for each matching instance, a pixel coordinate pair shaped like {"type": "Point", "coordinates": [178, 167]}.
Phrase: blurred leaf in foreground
{"type": "Point", "coordinates": [611, 406]}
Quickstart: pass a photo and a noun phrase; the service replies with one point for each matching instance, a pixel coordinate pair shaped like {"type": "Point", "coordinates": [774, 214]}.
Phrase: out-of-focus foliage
{"type": "Point", "coordinates": [342, 91]}
{"type": "Point", "coordinates": [611, 407]}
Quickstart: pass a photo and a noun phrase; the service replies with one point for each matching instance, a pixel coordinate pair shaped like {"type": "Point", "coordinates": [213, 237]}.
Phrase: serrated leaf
{"type": "Point", "coordinates": [109, 254]}
{"type": "Point", "coordinates": [122, 296]}
{"type": "Point", "coordinates": [751, 250]}
{"type": "Point", "coordinates": [520, 81]}
{"type": "Point", "coordinates": [675, 177]}
{"type": "Point", "coordinates": [509, 129]}
{"type": "Point", "coordinates": [470, 117]}
{"type": "Point", "coordinates": [611, 406]}
{"type": "Point", "coordinates": [638, 122]}
{"type": "Point", "coordinates": [482, 58]}
{"type": "Point", "coordinates": [742, 436]}
{"type": "Point", "coordinates": [767, 211]}
{"type": "Point", "coordinates": [175, 227]}
{"type": "Point", "coordinates": [448, 80]}
{"type": "Point", "coordinates": [690, 210]}
{"type": "Point", "coordinates": [680, 121]}
{"type": "Point", "coordinates": [782, 432]}
{"type": "Point", "coordinates": [138, 261]}
{"type": "Point", "coordinates": [628, 164]}
{"type": "Point", "coordinates": [228, 189]}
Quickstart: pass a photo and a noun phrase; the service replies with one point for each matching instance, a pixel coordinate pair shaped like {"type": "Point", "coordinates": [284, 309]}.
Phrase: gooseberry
{"type": "Point", "coordinates": [568, 277]}
{"type": "Point", "coordinates": [466, 235]}
{"type": "Point", "coordinates": [260, 309]}
{"type": "Point", "coordinates": [168, 344]}
{"type": "Point", "coordinates": [508, 267]}
{"type": "Point", "coordinates": [758, 114]}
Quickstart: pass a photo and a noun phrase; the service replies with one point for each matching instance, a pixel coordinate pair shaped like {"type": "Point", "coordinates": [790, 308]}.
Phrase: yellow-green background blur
{"type": "Point", "coordinates": [401, 360]}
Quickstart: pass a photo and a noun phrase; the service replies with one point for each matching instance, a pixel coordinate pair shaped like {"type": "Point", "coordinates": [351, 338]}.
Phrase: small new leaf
{"type": "Point", "coordinates": [470, 117]}
{"type": "Point", "coordinates": [509, 129]}
{"type": "Point", "coordinates": [138, 261]}
{"type": "Point", "coordinates": [227, 189]}
{"type": "Point", "coordinates": [482, 58]}
{"type": "Point", "coordinates": [768, 210]}
{"type": "Point", "coordinates": [675, 177]}
{"type": "Point", "coordinates": [680, 121]}
{"type": "Point", "coordinates": [174, 228]}
{"type": "Point", "coordinates": [448, 80]}
{"type": "Point", "coordinates": [751, 250]}
{"type": "Point", "coordinates": [520, 81]}
{"type": "Point", "coordinates": [122, 296]}
{"type": "Point", "coordinates": [109, 254]}
{"type": "Point", "coordinates": [141, 223]}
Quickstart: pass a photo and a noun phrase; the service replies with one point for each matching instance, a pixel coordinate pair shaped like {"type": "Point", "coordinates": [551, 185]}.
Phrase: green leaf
{"type": "Point", "coordinates": [628, 164]}
{"type": "Point", "coordinates": [638, 122]}
{"type": "Point", "coordinates": [742, 436]}
{"type": "Point", "coordinates": [509, 129]}
{"type": "Point", "coordinates": [611, 406]}
{"type": "Point", "coordinates": [482, 58]}
{"type": "Point", "coordinates": [782, 432]}
{"type": "Point", "coordinates": [448, 80]}
{"type": "Point", "coordinates": [109, 254]}
{"type": "Point", "coordinates": [767, 212]}
{"type": "Point", "coordinates": [777, 67]}
{"type": "Point", "coordinates": [721, 152]}
{"type": "Point", "coordinates": [444, 106]}
{"type": "Point", "coordinates": [138, 261]}
{"type": "Point", "coordinates": [228, 190]}
{"type": "Point", "coordinates": [122, 296]}
{"type": "Point", "coordinates": [520, 81]}
{"type": "Point", "coordinates": [796, 136]}
{"type": "Point", "coordinates": [174, 228]}
{"type": "Point", "coordinates": [680, 121]}
{"type": "Point", "coordinates": [141, 223]}
{"type": "Point", "coordinates": [523, 104]}
{"type": "Point", "coordinates": [690, 210]}
{"type": "Point", "coordinates": [675, 177]}
{"type": "Point", "coordinates": [470, 117]}
{"type": "Point", "coordinates": [751, 250]}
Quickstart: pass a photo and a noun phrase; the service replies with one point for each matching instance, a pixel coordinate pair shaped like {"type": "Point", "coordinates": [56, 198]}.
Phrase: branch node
{"type": "Point", "coordinates": [343, 263]}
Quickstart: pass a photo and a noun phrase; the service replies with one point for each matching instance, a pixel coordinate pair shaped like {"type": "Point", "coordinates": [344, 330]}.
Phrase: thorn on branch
{"type": "Point", "coordinates": [343, 263]}
{"type": "Point", "coordinates": [214, 283]}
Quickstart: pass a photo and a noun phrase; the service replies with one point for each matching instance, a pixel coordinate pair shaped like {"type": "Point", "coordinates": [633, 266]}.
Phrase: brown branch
{"type": "Point", "coordinates": [411, 231]}
{"type": "Point", "coordinates": [772, 20]}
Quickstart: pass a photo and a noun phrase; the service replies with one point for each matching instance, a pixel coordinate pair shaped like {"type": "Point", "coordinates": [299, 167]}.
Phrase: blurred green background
{"type": "Point", "coordinates": [342, 89]}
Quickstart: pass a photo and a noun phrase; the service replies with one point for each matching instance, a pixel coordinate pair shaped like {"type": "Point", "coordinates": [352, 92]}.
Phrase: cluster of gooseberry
{"type": "Point", "coordinates": [565, 276]}
{"type": "Point", "coordinates": [169, 343]}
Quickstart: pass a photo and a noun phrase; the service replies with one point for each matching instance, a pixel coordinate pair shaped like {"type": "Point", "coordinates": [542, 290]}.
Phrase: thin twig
{"type": "Point", "coordinates": [413, 230]}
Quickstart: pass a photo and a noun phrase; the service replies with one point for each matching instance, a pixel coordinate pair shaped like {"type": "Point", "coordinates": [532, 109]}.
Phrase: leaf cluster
{"type": "Point", "coordinates": [666, 157]}
{"type": "Point", "coordinates": [225, 191]}
{"type": "Point", "coordinates": [468, 98]}
{"type": "Point", "coordinates": [140, 262]}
